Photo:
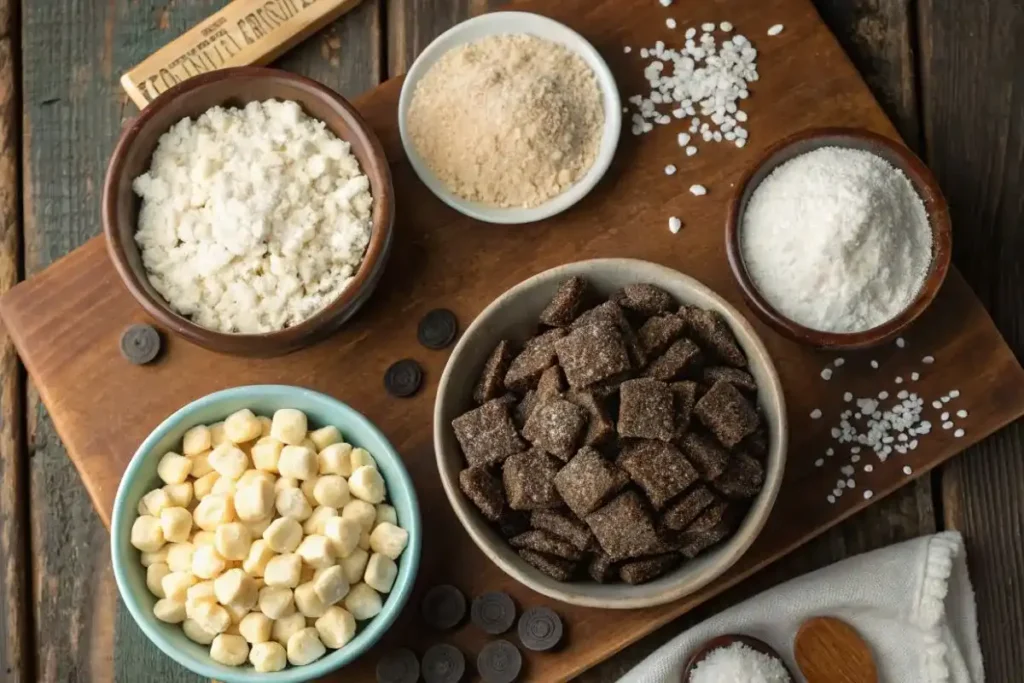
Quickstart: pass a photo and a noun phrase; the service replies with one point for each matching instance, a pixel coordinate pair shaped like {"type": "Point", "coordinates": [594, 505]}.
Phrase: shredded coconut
{"type": "Point", "coordinates": [253, 219]}
{"type": "Point", "coordinates": [837, 240]}
{"type": "Point", "coordinates": [509, 120]}
{"type": "Point", "coordinates": [739, 663]}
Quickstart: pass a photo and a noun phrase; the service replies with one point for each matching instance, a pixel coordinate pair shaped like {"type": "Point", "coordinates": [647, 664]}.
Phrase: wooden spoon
{"type": "Point", "coordinates": [725, 641]}
{"type": "Point", "coordinates": [828, 650]}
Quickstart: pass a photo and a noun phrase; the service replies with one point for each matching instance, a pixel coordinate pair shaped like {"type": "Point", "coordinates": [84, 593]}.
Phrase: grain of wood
{"type": "Point", "coordinates": [16, 642]}
{"type": "Point", "coordinates": [973, 102]}
{"type": "Point", "coordinates": [412, 24]}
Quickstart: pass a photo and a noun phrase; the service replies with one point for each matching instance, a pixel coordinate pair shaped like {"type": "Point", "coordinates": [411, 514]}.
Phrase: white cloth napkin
{"type": "Point", "coordinates": [912, 602]}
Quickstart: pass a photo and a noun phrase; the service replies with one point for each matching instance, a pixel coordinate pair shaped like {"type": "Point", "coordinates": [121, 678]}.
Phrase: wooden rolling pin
{"type": "Point", "coordinates": [244, 32]}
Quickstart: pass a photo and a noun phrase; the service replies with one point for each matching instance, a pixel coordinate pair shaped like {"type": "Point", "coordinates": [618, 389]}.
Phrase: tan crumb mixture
{"type": "Point", "coordinates": [509, 120]}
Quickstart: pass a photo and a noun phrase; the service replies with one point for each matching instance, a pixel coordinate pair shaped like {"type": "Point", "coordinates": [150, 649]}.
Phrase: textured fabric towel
{"type": "Point", "coordinates": [912, 602]}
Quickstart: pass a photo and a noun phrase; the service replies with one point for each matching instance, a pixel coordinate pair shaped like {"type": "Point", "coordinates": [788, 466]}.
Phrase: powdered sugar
{"type": "Point", "coordinates": [739, 662]}
{"type": "Point", "coordinates": [837, 240]}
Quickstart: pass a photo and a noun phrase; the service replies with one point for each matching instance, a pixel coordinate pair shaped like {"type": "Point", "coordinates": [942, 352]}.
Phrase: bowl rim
{"type": "Point", "coordinates": [924, 184]}
{"type": "Point", "coordinates": [610, 99]}
{"type": "Point", "coordinates": [325, 320]}
{"type": "Point", "coordinates": [756, 516]}
{"type": "Point", "coordinates": [397, 598]}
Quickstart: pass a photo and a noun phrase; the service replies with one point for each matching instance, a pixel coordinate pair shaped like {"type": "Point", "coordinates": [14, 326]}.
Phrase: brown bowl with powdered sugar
{"type": "Point", "coordinates": [839, 238]}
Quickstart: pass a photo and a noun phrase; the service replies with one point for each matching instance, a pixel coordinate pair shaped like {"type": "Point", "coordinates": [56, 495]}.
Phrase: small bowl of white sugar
{"type": "Point", "coordinates": [839, 238]}
{"type": "Point", "coordinates": [510, 117]}
{"type": "Point", "coordinates": [249, 210]}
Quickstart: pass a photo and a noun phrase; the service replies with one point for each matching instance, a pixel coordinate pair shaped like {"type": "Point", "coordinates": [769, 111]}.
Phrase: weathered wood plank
{"type": "Point", "coordinates": [15, 583]}
{"type": "Point", "coordinates": [973, 104]}
{"type": "Point", "coordinates": [412, 24]}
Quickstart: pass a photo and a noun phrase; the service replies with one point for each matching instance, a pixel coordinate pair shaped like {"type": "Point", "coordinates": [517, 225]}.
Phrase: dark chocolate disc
{"type": "Point", "coordinates": [443, 664]}
{"type": "Point", "coordinates": [499, 662]}
{"type": "Point", "coordinates": [403, 378]}
{"type": "Point", "coordinates": [493, 613]}
{"type": "Point", "coordinates": [437, 329]}
{"type": "Point", "coordinates": [398, 666]}
{"type": "Point", "coordinates": [140, 344]}
{"type": "Point", "coordinates": [540, 629]}
{"type": "Point", "coordinates": [443, 607]}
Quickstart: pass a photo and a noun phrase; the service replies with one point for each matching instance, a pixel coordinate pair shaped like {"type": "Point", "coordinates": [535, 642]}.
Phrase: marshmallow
{"type": "Point", "coordinates": [268, 657]}
{"type": "Point", "coordinates": [242, 426]}
{"type": "Point", "coordinates": [291, 502]}
{"type": "Point", "coordinates": [315, 550]}
{"type": "Point", "coordinates": [336, 627]}
{"type": "Point", "coordinates": [170, 611]}
{"type": "Point", "coordinates": [308, 602]}
{"type": "Point", "coordinates": [179, 495]}
{"type": "Point", "coordinates": [203, 486]}
{"type": "Point", "coordinates": [367, 484]}
{"type": "Point", "coordinates": [176, 524]}
{"type": "Point", "coordinates": [173, 468]}
{"type": "Point", "coordinates": [354, 565]}
{"type": "Point", "coordinates": [155, 574]}
{"type": "Point", "coordinates": [201, 465]}
{"type": "Point", "coordinates": [154, 502]}
{"type": "Point", "coordinates": [276, 602]}
{"type": "Point", "coordinates": [330, 584]}
{"type": "Point", "coordinates": [283, 571]}
{"type": "Point", "coordinates": [235, 587]}
{"type": "Point", "coordinates": [203, 538]}
{"type": "Point", "coordinates": [336, 459]}
{"type": "Point", "coordinates": [388, 539]}
{"type": "Point", "coordinates": [214, 510]}
{"type": "Point", "coordinates": [255, 627]}
{"type": "Point", "coordinates": [361, 457]}
{"type": "Point", "coordinates": [147, 534]}
{"type": "Point", "coordinates": [229, 650]}
{"type": "Point", "coordinates": [298, 462]}
{"type": "Point", "coordinates": [289, 426]}
{"type": "Point", "coordinates": [176, 584]}
{"type": "Point", "coordinates": [283, 535]}
{"type": "Point", "coordinates": [361, 512]}
{"type": "Point", "coordinates": [196, 441]}
{"type": "Point", "coordinates": [229, 460]}
{"type": "Point", "coordinates": [285, 627]}
{"type": "Point", "coordinates": [315, 523]}
{"type": "Point", "coordinates": [255, 563]}
{"type": "Point", "coordinates": [363, 602]}
{"type": "Point", "coordinates": [324, 437]}
{"type": "Point", "coordinates": [213, 618]}
{"type": "Point", "coordinates": [207, 562]}
{"type": "Point", "coordinates": [217, 434]}
{"type": "Point", "coordinates": [148, 559]}
{"type": "Point", "coordinates": [343, 533]}
{"type": "Point", "coordinates": [331, 490]}
{"type": "Point", "coordinates": [179, 556]}
{"type": "Point", "coordinates": [305, 647]}
{"type": "Point", "coordinates": [199, 593]}
{"type": "Point", "coordinates": [265, 454]}
{"type": "Point", "coordinates": [380, 573]}
{"type": "Point", "coordinates": [196, 633]}
{"type": "Point", "coordinates": [385, 513]}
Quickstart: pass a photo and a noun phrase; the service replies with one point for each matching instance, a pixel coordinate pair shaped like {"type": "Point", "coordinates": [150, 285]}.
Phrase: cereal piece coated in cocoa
{"type": "Point", "coordinates": [563, 524]}
{"type": "Point", "coordinates": [600, 427]}
{"type": "Point", "coordinates": [726, 413]}
{"type": "Point", "coordinates": [602, 569]}
{"type": "Point", "coordinates": [742, 479]}
{"type": "Point", "coordinates": [612, 313]}
{"type": "Point", "coordinates": [705, 453]}
{"type": "Point", "coordinates": [492, 380]}
{"type": "Point", "coordinates": [684, 396]}
{"type": "Point", "coordinates": [712, 332]}
{"type": "Point", "coordinates": [513, 522]}
{"type": "Point", "coordinates": [659, 468]}
{"type": "Point", "coordinates": [487, 434]}
{"type": "Point", "coordinates": [681, 357]}
{"type": "Point", "coordinates": [551, 383]}
{"type": "Point", "coordinates": [524, 409]}
{"type": "Point", "coordinates": [711, 527]}
{"type": "Point", "coordinates": [537, 356]}
{"type": "Point", "coordinates": [648, 568]}
{"type": "Point", "coordinates": [484, 490]}
{"type": "Point", "coordinates": [658, 332]}
{"type": "Point", "coordinates": [646, 410]}
{"type": "Point", "coordinates": [555, 426]}
{"type": "Point", "coordinates": [529, 480]}
{"type": "Point", "coordinates": [588, 480]}
{"type": "Point", "coordinates": [682, 512]}
{"type": "Point", "coordinates": [565, 304]}
{"type": "Point", "coordinates": [591, 354]}
{"type": "Point", "coordinates": [740, 379]}
{"type": "Point", "coordinates": [555, 567]}
{"type": "Point", "coordinates": [644, 299]}
{"type": "Point", "coordinates": [623, 527]}
{"type": "Point", "coordinates": [547, 543]}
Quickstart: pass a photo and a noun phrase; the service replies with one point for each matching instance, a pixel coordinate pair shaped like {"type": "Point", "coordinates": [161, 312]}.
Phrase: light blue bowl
{"type": "Point", "coordinates": [141, 477]}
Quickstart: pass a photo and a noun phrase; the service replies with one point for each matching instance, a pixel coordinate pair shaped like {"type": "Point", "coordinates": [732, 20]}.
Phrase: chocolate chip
{"type": "Point", "coordinates": [681, 513]}
{"type": "Point", "coordinates": [648, 568]}
{"type": "Point", "coordinates": [659, 468]}
{"type": "Point", "coordinates": [437, 329]}
{"type": "Point", "coordinates": [443, 663]}
{"type": "Point", "coordinates": [484, 490]}
{"type": "Point", "coordinates": [529, 480]}
{"type": "Point", "coordinates": [403, 379]}
{"type": "Point", "coordinates": [499, 662]}
{"type": "Point", "coordinates": [492, 379]}
{"type": "Point", "coordinates": [555, 567]}
{"type": "Point", "coordinates": [564, 525]}
{"type": "Point", "coordinates": [398, 666]}
{"type": "Point", "coordinates": [591, 354]}
{"type": "Point", "coordinates": [726, 413]}
{"type": "Point", "coordinates": [547, 543]}
{"type": "Point", "coordinates": [487, 434]}
{"type": "Point", "coordinates": [709, 458]}
{"type": "Point", "coordinates": [588, 480]}
{"type": "Point", "coordinates": [555, 426]}
{"type": "Point", "coordinates": [443, 608]}
{"type": "Point", "coordinates": [658, 332]}
{"type": "Point", "coordinates": [540, 629]}
{"type": "Point", "coordinates": [493, 613]}
{"type": "Point", "coordinates": [565, 303]}
{"type": "Point", "coordinates": [140, 344]}
{"type": "Point", "coordinates": [623, 527]}
{"type": "Point", "coordinates": [537, 356]}
{"type": "Point", "coordinates": [680, 358]}
{"type": "Point", "coordinates": [646, 410]}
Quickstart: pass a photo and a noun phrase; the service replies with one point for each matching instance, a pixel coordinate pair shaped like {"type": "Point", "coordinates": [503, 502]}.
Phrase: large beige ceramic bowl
{"type": "Point", "coordinates": [513, 316]}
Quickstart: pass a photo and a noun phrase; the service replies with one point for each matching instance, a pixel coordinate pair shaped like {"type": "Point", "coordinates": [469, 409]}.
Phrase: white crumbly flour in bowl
{"type": "Point", "coordinates": [254, 219]}
{"type": "Point", "coordinates": [837, 240]}
{"type": "Point", "coordinates": [508, 120]}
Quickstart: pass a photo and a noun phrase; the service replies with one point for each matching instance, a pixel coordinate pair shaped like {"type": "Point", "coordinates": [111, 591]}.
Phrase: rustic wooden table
{"type": "Point", "coordinates": [948, 73]}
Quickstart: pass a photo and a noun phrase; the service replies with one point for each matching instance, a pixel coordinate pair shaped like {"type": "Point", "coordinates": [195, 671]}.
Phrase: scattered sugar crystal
{"type": "Point", "coordinates": [665, 3]}
{"type": "Point", "coordinates": [847, 397]}
{"type": "Point", "coordinates": [945, 399]}
{"type": "Point", "coordinates": [819, 462]}
{"type": "Point", "coordinates": [854, 458]}
{"type": "Point", "coordinates": [690, 33]}
{"type": "Point", "coordinates": [851, 484]}
{"type": "Point", "coordinates": [627, 49]}
{"type": "Point", "coordinates": [944, 416]}
{"type": "Point", "coordinates": [674, 225]}
{"type": "Point", "coordinates": [698, 190]}
{"type": "Point", "coordinates": [868, 494]}
{"type": "Point", "coordinates": [882, 395]}
{"type": "Point", "coordinates": [826, 374]}
{"type": "Point", "coordinates": [907, 470]}
{"type": "Point", "coordinates": [691, 150]}
{"type": "Point", "coordinates": [837, 492]}
{"type": "Point", "coordinates": [725, 26]}
{"type": "Point", "coordinates": [955, 393]}
{"type": "Point", "coordinates": [815, 414]}
{"type": "Point", "coordinates": [901, 342]}
{"type": "Point", "coordinates": [899, 380]}
{"type": "Point", "coordinates": [846, 469]}
{"type": "Point", "coordinates": [961, 413]}
{"type": "Point", "coordinates": [838, 362]}
{"type": "Point", "coordinates": [928, 360]}
{"type": "Point", "coordinates": [947, 425]}
{"type": "Point", "coordinates": [869, 467]}
{"type": "Point", "coordinates": [902, 394]}
{"type": "Point", "coordinates": [958, 433]}
{"type": "Point", "coordinates": [683, 139]}
{"type": "Point", "coordinates": [670, 22]}
{"type": "Point", "coordinates": [775, 30]}
{"type": "Point", "coordinates": [841, 484]}
{"type": "Point", "coordinates": [670, 169]}
{"type": "Point", "coordinates": [914, 377]}
{"type": "Point", "coordinates": [874, 364]}
{"type": "Point", "coordinates": [707, 26]}
{"type": "Point", "coordinates": [832, 499]}
{"type": "Point", "coordinates": [937, 405]}
{"type": "Point", "coordinates": [829, 452]}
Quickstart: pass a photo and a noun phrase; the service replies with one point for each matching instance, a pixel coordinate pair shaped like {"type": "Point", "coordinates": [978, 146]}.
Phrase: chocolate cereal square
{"type": "Point", "coordinates": [644, 299]}
{"type": "Point", "coordinates": [601, 568]}
{"type": "Point", "coordinates": [705, 453]}
{"type": "Point", "coordinates": [537, 356]}
{"type": "Point", "coordinates": [551, 383]}
{"type": "Point", "coordinates": [646, 410]}
{"type": "Point", "coordinates": [684, 396]}
{"type": "Point", "coordinates": [524, 408]}
{"type": "Point", "coordinates": [492, 380]}
{"type": "Point", "coordinates": [711, 527]}
{"type": "Point", "coordinates": [565, 525]}
{"type": "Point", "coordinates": [713, 333]}
{"type": "Point", "coordinates": [588, 480]}
{"type": "Point", "coordinates": [487, 434]}
{"type": "Point", "coordinates": [591, 354]}
{"type": "Point", "coordinates": [555, 426]}
{"type": "Point", "coordinates": [648, 568]}
{"type": "Point", "coordinates": [612, 313]}
{"type": "Point", "coordinates": [555, 567]}
{"type": "Point", "coordinates": [565, 304]}
{"type": "Point", "coordinates": [657, 333]}
{"type": "Point", "coordinates": [547, 543]}
{"type": "Point", "coordinates": [513, 522]}
{"type": "Point", "coordinates": [484, 490]}
{"type": "Point", "coordinates": [742, 479]}
{"type": "Point", "coordinates": [660, 469]}
{"type": "Point", "coordinates": [680, 358]}
{"type": "Point", "coordinates": [623, 527]}
{"type": "Point", "coordinates": [756, 445]}
{"type": "Point", "coordinates": [529, 480]}
{"type": "Point", "coordinates": [682, 512]}
{"type": "Point", "coordinates": [600, 427]}
{"type": "Point", "coordinates": [740, 379]}
{"type": "Point", "coordinates": [726, 413]}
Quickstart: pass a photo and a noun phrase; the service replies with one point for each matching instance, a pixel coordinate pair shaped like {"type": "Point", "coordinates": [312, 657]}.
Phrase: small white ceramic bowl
{"type": "Point", "coordinates": [496, 23]}
{"type": "Point", "coordinates": [513, 315]}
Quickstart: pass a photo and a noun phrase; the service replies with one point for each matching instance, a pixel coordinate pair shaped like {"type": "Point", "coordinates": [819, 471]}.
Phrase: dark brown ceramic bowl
{"type": "Point", "coordinates": [897, 155]}
{"type": "Point", "coordinates": [237, 87]}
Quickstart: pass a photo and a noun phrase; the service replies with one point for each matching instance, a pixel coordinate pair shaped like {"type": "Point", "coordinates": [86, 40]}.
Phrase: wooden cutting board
{"type": "Point", "coordinates": [67, 320]}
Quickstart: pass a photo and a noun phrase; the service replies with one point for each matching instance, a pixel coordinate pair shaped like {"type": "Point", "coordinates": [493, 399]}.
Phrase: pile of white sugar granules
{"type": "Point", "coordinates": [508, 121]}
{"type": "Point", "coordinates": [837, 240]}
{"type": "Point", "coordinates": [253, 219]}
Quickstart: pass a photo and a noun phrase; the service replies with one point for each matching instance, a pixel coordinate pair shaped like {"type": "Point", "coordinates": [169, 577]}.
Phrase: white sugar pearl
{"type": "Point", "coordinates": [255, 627]}
{"type": "Point", "coordinates": [147, 534]}
{"type": "Point", "coordinates": [289, 426]}
{"type": "Point", "coordinates": [155, 574]}
{"type": "Point", "coordinates": [285, 627]}
{"type": "Point", "coordinates": [207, 562]}
{"type": "Point", "coordinates": [196, 440]}
{"type": "Point", "coordinates": [343, 533]}
{"type": "Point", "coordinates": [725, 26]}
{"type": "Point", "coordinates": [354, 565]}
{"type": "Point", "coordinates": [268, 657]}
{"type": "Point", "coordinates": [265, 454]}
{"type": "Point", "coordinates": [229, 650]}
{"type": "Point", "coordinates": [255, 502]}
{"type": "Point", "coordinates": [367, 484]}
{"type": "Point", "coordinates": [196, 633]}
{"type": "Point", "coordinates": [173, 468]}
{"type": "Point", "coordinates": [169, 611]}
{"type": "Point", "coordinates": [698, 190]}
{"type": "Point", "coordinates": [229, 460]}
{"type": "Point", "coordinates": [283, 535]}
{"type": "Point", "coordinates": [276, 602]}
{"type": "Point", "coordinates": [330, 584]}
{"type": "Point", "coordinates": [316, 551]}
{"type": "Point", "coordinates": [336, 627]}
{"type": "Point", "coordinates": [179, 556]}
{"type": "Point", "coordinates": [315, 523]}
{"type": "Point", "coordinates": [305, 647]}
{"type": "Point", "coordinates": [298, 462]}
{"type": "Point", "coordinates": [958, 433]}
{"type": "Point", "coordinates": [380, 573]}
{"type": "Point", "coordinates": [336, 459]}
{"type": "Point", "coordinates": [214, 510]}
{"type": "Point", "coordinates": [235, 587]}
{"type": "Point", "coordinates": [389, 540]}
{"type": "Point", "coordinates": [242, 426]}
{"type": "Point", "coordinates": [176, 584]}
{"type": "Point", "coordinates": [363, 602]}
